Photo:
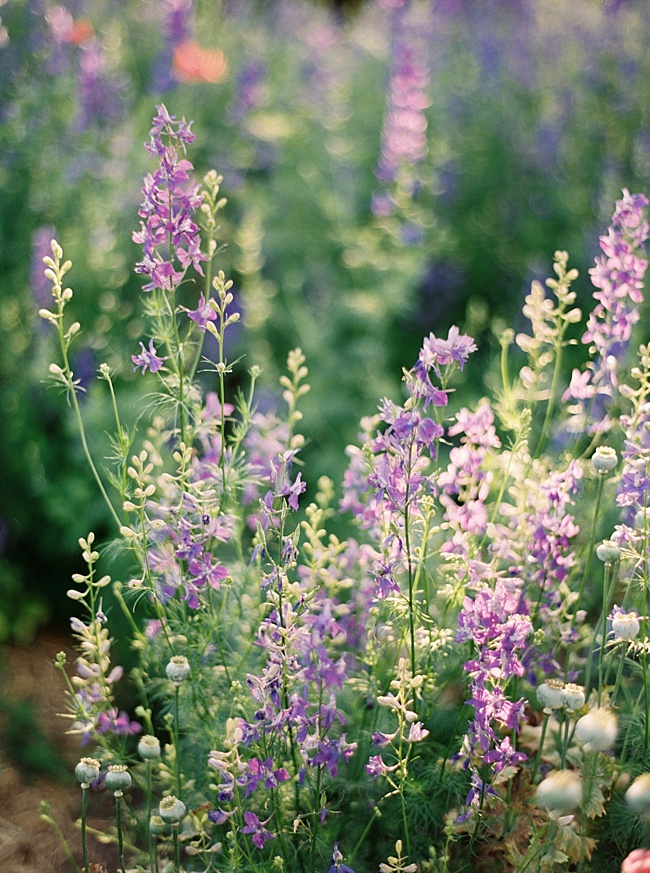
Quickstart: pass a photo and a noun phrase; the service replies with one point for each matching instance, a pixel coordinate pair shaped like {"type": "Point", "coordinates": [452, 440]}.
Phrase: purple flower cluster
{"type": "Point", "coordinates": [499, 634]}
{"type": "Point", "coordinates": [399, 457]}
{"type": "Point", "coordinates": [634, 487]}
{"type": "Point", "coordinates": [547, 534]}
{"type": "Point", "coordinates": [92, 705]}
{"type": "Point", "coordinates": [465, 485]}
{"type": "Point", "coordinates": [169, 235]}
{"type": "Point", "coordinates": [176, 29]}
{"type": "Point", "coordinates": [404, 132]}
{"type": "Point", "coordinates": [618, 277]}
{"type": "Point", "coordinates": [100, 91]}
{"type": "Point", "coordinates": [181, 555]}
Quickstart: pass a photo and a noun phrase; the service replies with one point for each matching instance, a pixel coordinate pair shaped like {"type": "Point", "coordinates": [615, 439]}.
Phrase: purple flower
{"type": "Point", "coordinates": [176, 28]}
{"type": "Point", "coordinates": [203, 313]}
{"type": "Point", "coordinates": [149, 359]}
{"type": "Point", "coordinates": [404, 131]}
{"type": "Point", "coordinates": [255, 828]}
{"type": "Point", "coordinates": [169, 236]}
{"type": "Point", "coordinates": [337, 862]}
{"type": "Point", "coordinates": [100, 92]}
{"type": "Point", "coordinates": [618, 278]}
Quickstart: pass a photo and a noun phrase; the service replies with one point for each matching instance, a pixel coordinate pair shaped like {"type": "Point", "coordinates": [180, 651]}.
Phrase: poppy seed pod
{"type": "Point", "coordinates": [117, 778]}
{"type": "Point", "coordinates": [178, 669]}
{"type": "Point", "coordinates": [172, 809]}
{"type": "Point", "coordinates": [86, 771]}
{"type": "Point", "coordinates": [604, 459]}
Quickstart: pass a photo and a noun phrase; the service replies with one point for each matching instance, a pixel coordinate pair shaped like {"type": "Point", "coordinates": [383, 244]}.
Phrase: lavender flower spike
{"type": "Point", "coordinates": [168, 234]}
{"type": "Point", "coordinates": [618, 278]}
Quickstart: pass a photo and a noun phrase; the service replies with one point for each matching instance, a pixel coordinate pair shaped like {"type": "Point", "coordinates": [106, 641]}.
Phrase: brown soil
{"type": "Point", "coordinates": [31, 695]}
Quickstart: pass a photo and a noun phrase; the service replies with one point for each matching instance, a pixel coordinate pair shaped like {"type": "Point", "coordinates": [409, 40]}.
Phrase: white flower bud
{"type": "Point", "coordinates": [560, 792]}
{"type": "Point", "coordinates": [597, 730]}
{"type": "Point", "coordinates": [638, 795]}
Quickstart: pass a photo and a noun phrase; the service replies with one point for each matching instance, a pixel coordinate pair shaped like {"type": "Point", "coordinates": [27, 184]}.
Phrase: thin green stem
{"type": "Point", "coordinates": [538, 756]}
{"type": "Point", "coordinates": [48, 818]}
{"type": "Point", "coordinates": [118, 824]}
{"type": "Point", "coordinates": [177, 848]}
{"type": "Point", "coordinates": [592, 538]}
{"type": "Point", "coordinates": [150, 841]}
{"type": "Point", "coordinates": [84, 836]}
{"type": "Point", "coordinates": [177, 750]}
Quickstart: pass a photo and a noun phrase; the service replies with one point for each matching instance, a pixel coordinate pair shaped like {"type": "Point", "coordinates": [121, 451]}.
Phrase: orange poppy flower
{"type": "Point", "coordinates": [80, 31]}
{"type": "Point", "coordinates": [195, 64]}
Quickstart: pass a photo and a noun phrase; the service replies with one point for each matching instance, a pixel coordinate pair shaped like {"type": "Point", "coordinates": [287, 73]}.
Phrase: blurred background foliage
{"type": "Point", "coordinates": [391, 168]}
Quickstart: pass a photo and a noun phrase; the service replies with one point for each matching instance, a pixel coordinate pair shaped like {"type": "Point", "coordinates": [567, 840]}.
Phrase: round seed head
{"type": "Point", "coordinates": [604, 459]}
{"type": "Point", "coordinates": [549, 695]}
{"type": "Point", "coordinates": [172, 809]}
{"type": "Point", "coordinates": [573, 696]}
{"type": "Point", "coordinates": [149, 748]}
{"type": "Point", "coordinates": [608, 552]}
{"type": "Point", "coordinates": [86, 771]}
{"type": "Point", "coordinates": [626, 626]}
{"type": "Point", "coordinates": [178, 669]}
{"type": "Point", "coordinates": [117, 778]}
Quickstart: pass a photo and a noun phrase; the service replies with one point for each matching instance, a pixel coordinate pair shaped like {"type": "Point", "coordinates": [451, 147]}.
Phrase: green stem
{"type": "Point", "coordinates": [592, 538]}
{"type": "Point", "coordinates": [550, 408]}
{"type": "Point", "coordinates": [84, 836]}
{"type": "Point", "coordinates": [118, 823]}
{"type": "Point", "coordinates": [376, 813]}
{"type": "Point", "coordinates": [150, 841]}
{"type": "Point", "coordinates": [538, 757]}
{"type": "Point", "coordinates": [48, 818]}
{"type": "Point", "coordinates": [177, 848]}
{"type": "Point", "coordinates": [177, 751]}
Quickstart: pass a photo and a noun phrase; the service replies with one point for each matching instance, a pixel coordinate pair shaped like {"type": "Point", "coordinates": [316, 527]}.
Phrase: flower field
{"type": "Point", "coordinates": [328, 387]}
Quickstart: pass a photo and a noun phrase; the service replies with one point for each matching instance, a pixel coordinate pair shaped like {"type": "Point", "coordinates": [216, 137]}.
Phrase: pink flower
{"type": "Point", "coordinates": [637, 861]}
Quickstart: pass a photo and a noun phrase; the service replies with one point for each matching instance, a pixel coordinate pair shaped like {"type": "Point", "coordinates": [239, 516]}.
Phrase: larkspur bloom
{"type": "Point", "coordinates": [148, 359]}
{"type": "Point", "coordinates": [256, 830]}
{"type": "Point", "coordinates": [618, 278]}
{"type": "Point", "coordinates": [203, 313]}
{"type": "Point", "coordinates": [177, 19]}
{"type": "Point", "coordinates": [337, 865]}
{"type": "Point", "coordinates": [169, 235]}
{"type": "Point", "coordinates": [404, 131]}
